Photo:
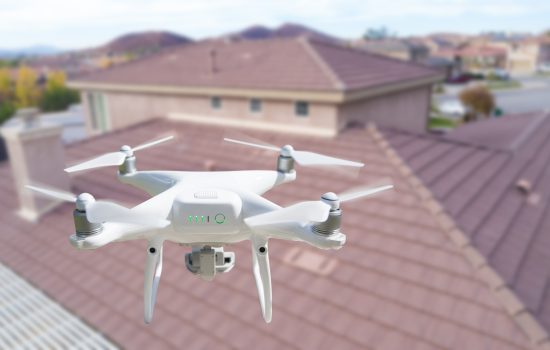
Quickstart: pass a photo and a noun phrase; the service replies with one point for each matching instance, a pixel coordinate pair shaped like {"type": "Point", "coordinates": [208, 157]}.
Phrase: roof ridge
{"type": "Point", "coordinates": [528, 131]}
{"type": "Point", "coordinates": [325, 68]}
{"type": "Point", "coordinates": [512, 304]}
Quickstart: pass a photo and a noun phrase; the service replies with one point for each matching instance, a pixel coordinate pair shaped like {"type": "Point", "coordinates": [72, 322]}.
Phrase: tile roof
{"type": "Point", "coordinates": [285, 64]}
{"type": "Point", "coordinates": [400, 281]}
{"type": "Point", "coordinates": [477, 181]}
{"type": "Point", "coordinates": [29, 319]}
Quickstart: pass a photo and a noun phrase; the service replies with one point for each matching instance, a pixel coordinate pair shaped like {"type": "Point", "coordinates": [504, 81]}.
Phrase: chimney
{"type": "Point", "coordinates": [213, 62]}
{"type": "Point", "coordinates": [36, 156]}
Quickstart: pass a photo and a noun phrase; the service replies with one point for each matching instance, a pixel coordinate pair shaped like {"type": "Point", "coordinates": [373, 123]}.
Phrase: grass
{"type": "Point", "coordinates": [503, 84]}
{"type": "Point", "coordinates": [441, 123]}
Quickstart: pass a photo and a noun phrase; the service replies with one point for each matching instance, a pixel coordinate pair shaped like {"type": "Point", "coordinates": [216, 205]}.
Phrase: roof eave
{"type": "Point", "coordinates": [359, 94]}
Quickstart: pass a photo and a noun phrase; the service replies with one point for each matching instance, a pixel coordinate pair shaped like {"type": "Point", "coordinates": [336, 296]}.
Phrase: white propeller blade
{"type": "Point", "coordinates": [304, 158]}
{"type": "Point", "coordinates": [271, 148]}
{"type": "Point", "coordinates": [55, 194]}
{"type": "Point", "coordinates": [300, 212]}
{"type": "Point", "coordinates": [309, 158]}
{"type": "Point", "coordinates": [363, 192]}
{"type": "Point", "coordinates": [113, 158]}
{"type": "Point", "coordinates": [152, 143]}
{"type": "Point", "coordinates": [109, 159]}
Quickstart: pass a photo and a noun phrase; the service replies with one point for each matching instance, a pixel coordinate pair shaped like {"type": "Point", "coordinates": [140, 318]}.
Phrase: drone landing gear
{"type": "Point", "coordinates": [206, 261]}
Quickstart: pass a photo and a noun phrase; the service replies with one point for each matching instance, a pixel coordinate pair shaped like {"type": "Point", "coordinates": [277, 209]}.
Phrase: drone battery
{"type": "Point", "coordinates": [213, 211]}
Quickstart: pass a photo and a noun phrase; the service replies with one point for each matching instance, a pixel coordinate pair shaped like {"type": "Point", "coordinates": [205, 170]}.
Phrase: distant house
{"type": "Point", "coordinates": [476, 57]}
{"type": "Point", "coordinates": [318, 87]}
{"type": "Point", "coordinates": [403, 49]}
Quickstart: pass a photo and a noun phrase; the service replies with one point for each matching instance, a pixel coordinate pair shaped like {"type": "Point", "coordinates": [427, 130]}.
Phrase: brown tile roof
{"type": "Point", "coordinates": [477, 182]}
{"type": "Point", "coordinates": [401, 282]}
{"type": "Point", "coordinates": [286, 64]}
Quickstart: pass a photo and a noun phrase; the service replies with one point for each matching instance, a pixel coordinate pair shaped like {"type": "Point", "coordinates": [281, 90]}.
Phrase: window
{"type": "Point", "coordinates": [216, 102]}
{"type": "Point", "coordinates": [255, 105]}
{"type": "Point", "coordinates": [98, 111]}
{"type": "Point", "coordinates": [301, 108]}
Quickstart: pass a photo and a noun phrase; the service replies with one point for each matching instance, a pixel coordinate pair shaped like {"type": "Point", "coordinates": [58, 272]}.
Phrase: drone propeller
{"type": "Point", "coordinates": [303, 158]}
{"type": "Point", "coordinates": [115, 158]}
{"type": "Point", "coordinates": [102, 211]}
{"type": "Point", "coordinates": [314, 211]}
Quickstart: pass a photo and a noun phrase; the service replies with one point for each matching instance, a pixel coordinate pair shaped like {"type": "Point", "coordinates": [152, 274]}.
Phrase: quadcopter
{"type": "Point", "coordinates": [208, 210]}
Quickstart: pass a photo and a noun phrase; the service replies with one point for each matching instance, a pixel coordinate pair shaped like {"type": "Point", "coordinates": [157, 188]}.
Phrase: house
{"type": "Point", "coordinates": [476, 57]}
{"type": "Point", "coordinates": [492, 179]}
{"type": "Point", "coordinates": [316, 86]}
{"type": "Point", "coordinates": [411, 50]}
{"type": "Point", "coordinates": [404, 280]}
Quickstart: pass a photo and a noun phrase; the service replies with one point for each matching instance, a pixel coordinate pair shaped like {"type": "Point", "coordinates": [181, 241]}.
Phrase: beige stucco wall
{"type": "Point", "coordinates": [406, 110]}
{"type": "Point", "coordinates": [125, 109]}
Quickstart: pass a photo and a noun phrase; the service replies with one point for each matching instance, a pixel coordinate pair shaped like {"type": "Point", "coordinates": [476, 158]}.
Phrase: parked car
{"type": "Point", "coordinates": [452, 109]}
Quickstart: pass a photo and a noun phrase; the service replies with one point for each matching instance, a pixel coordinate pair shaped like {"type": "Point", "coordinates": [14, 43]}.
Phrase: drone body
{"type": "Point", "coordinates": [208, 211]}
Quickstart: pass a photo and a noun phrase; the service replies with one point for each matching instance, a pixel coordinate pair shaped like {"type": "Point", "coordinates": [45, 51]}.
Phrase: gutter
{"type": "Point", "coordinates": [336, 96]}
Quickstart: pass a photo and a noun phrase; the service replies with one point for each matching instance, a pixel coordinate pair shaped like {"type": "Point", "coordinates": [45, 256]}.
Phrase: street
{"type": "Point", "coordinates": [534, 95]}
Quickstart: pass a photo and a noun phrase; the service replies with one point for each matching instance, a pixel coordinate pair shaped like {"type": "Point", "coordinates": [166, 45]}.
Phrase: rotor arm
{"type": "Point", "coordinates": [153, 270]}
{"type": "Point", "coordinates": [262, 274]}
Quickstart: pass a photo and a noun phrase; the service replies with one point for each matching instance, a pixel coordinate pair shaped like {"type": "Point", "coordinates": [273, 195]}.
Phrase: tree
{"type": "Point", "coordinates": [26, 90]}
{"type": "Point", "coordinates": [56, 79]}
{"type": "Point", "coordinates": [479, 100]}
{"type": "Point", "coordinates": [5, 85]}
{"type": "Point", "coordinates": [57, 96]}
{"type": "Point", "coordinates": [377, 34]}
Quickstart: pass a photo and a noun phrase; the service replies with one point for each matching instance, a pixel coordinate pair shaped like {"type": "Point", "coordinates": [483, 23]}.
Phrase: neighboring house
{"type": "Point", "coordinates": [493, 179]}
{"type": "Point", "coordinates": [403, 49]}
{"type": "Point", "coordinates": [404, 279]}
{"type": "Point", "coordinates": [316, 86]}
{"type": "Point", "coordinates": [475, 57]}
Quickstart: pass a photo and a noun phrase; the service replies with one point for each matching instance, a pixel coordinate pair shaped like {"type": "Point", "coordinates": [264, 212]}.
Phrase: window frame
{"type": "Point", "coordinates": [259, 105]}
{"type": "Point", "coordinates": [216, 102]}
{"type": "Point", "coordinates": [303, 113]}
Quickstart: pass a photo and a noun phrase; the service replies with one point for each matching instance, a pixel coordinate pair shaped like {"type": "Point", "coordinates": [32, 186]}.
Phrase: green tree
{"type": "Point", "coordinates": [26, 90]}
{"type": "Point", "coordinates": [5, 85]}
{"type": "Point", "coordinates": [57, 96]}
{"type": "Point", "coordinates": [7, 110]}
{"type": "Point", "coordinates": [377, 34]}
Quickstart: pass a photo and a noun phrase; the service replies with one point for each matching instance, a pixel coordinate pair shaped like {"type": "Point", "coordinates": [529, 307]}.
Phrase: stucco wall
{"type": "Point", "coordinates": [127, 109]}
{"type": "Point", "coordinates": [406, 110]}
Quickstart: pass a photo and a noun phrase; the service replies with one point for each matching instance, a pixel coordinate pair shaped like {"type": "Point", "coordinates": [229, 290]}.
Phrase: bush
{"type": "Point", "coordinates": [479, 100]}
{"type": "Point", "coordinates": [7, 110]}
{"type": "Point", "coordinates": [58, 99]}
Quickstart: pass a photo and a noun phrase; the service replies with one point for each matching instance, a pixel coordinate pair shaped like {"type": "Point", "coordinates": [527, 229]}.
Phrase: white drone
{"type": "Point", "coordinates": [208, 210]}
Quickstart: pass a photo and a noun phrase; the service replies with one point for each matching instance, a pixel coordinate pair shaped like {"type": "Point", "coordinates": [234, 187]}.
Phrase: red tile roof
{"type": "Point", "coordinates": [476, 181]}
{"type": "Point", "coordinates": [400, 282]}
{"type": "Point", "coordinates": [286, 64]}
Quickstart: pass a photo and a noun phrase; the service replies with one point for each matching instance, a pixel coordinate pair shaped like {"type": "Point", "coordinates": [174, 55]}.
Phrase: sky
{"type": "Point", "coordinates": [72, 24]}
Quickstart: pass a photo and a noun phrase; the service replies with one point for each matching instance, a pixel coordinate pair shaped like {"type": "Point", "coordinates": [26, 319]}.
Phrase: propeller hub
{"type": "Point", "coordinates": [286, 151]}
{"type": "Point", "coordinates": [83, 200]}
{"type": "Point", "coordinates": [331, 199]}
{"type": "Point", "coordinates": [127, 150]}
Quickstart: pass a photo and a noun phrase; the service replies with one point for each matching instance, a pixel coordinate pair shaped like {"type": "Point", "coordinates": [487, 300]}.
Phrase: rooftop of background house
{"type": "Point", "coordinates": [493, 179]}
{"type": "Point", "coordinates": [400, 282]}
{"type": "Point", "coordinates": [279, 64]}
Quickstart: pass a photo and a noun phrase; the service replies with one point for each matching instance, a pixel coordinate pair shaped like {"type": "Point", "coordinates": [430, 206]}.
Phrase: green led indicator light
{"type": "Point", "coordinates": [219, 218]}
{"type": "Point", "coordinates": [190, 218]}
{"type": "Point", "coordinates": [202, 219]}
